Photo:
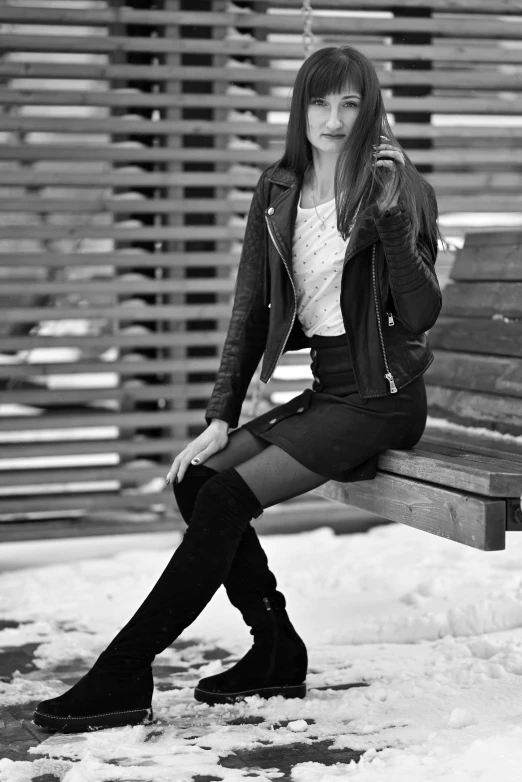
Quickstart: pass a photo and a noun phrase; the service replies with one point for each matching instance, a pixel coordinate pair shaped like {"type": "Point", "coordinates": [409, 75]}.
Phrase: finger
{"type": "Point", "coordinates": [387, 164]}
{"type": "Point", "coordinates": [387, 154]}
{"type": "Point", "coordinates": [203, 455]}
{"type": "Point", "coordinates": [171, 475]}
{"type": "Point", "coordinates": [193, 458]}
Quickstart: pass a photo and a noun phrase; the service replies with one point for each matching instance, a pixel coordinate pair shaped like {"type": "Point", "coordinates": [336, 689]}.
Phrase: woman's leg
{"type": "Point", "coordinates": [250, 578]}
{"type": "Point", "coordinates": [277, 662]}
{"type": "Point", "coordinates": [200, 564]}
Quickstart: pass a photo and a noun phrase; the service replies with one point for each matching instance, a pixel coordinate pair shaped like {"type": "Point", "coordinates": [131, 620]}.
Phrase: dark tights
{"type": "Point", "coordinates": [270, 472]}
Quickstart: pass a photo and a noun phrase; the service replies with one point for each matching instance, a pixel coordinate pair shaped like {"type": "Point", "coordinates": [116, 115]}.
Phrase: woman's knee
{"type": "Point", "coordinates": [187, 491]}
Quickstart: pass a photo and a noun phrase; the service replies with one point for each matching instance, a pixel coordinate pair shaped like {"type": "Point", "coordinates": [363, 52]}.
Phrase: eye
{"type": "Point", "coordinates": [317, 101]}
{"type": "Point", "coordinates": [352, 103]}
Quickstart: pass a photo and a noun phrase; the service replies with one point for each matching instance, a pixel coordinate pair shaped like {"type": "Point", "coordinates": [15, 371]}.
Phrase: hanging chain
{"type": "Point", "coordinates": [308, 36]}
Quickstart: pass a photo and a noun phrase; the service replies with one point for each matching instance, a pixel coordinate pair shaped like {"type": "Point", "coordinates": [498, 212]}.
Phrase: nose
{"type": "Point", "coordinates": [334, 121]}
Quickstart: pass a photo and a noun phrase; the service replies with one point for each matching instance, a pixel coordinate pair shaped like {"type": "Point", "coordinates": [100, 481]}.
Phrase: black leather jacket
{"type": "Point", "coordinates": [390, 296]}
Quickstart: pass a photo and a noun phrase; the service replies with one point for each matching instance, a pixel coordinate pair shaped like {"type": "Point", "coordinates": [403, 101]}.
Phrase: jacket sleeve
{"type": "Point", "coordinates": [247, 332]}
{"type": "Point", "coordinates": [411, 269]}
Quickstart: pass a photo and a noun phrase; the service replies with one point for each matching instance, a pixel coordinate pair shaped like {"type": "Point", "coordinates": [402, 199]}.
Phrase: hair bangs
{"type": "Point", "coordinates": [332, 76]}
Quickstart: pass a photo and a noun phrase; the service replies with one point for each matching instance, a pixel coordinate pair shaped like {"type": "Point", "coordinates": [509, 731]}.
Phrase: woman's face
{"type": "Point", "coordinates": [330, 120]}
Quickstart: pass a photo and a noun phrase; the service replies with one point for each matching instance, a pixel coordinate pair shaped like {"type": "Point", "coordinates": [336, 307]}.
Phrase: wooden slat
{"type": "Point", "coordinates": [464, 518]}
{"type": "Point", "coordinates": [478, 78]}
{"type": "Point", "coordinates": [442, 105]}
{"type": "Point", "coordinates": [41, 397]}
{"type": "Point", "coordinates": [469, 26]}
{"type": "Point", "coordinates": [123, 367]}
{"type": "Point", "coordinates": [483, 299]}
{"type": "Point", "coordinates": [137, 420]}
{"type": "Point", "coordinates": [84, 502]}
{"type": "Point", "coordinates": [472, 408]}
{"type": "Point", "coordinates": [456, 156]}
{"type": "Point", "coordinates": [442, 51]}
{"type": "Point", "coordinates": [456, 469]}
{"type": "Point", "coordinates": [480, 441]}
{"type": "Point", "coordinates": [128, 448]}
{"type": "Point", "coordinates": [247, 177]}
{"type": "Point", "coordinates": [181, 233]}
{"type": "Point", "coordinates": [120, 312]}
{"type": "Point", "coordinates": [106, 287]}
{"type": "Point", "coordinates": [501, 261]}
{"type": "Point", "coordinates": [118, 259]}
{"type": "Point", "coordinates": [130, 15]}
{"type": "Point", "coordinates": [117, 206]}
{"type": "Point", "coordinates": [487, 374]}
{"type": "Point", "coordinates": [503, 7]}
{"type": "Point", "coordinates": [482, 238]}
{"type": "Point", "coordinates": [444, 183]}
{"type": "Point", "coordinates": [118, 340]}
{"type": "Point", "coordinates": [129, 475]}
{"type": "Point", "coordinates": [94, 125]}
{"type": "Point", "coordinates": [496, 337]}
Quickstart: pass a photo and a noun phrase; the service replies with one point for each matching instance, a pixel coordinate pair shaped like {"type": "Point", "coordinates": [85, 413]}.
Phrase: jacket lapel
{"type": "Point", "coordinates": [284, 199]}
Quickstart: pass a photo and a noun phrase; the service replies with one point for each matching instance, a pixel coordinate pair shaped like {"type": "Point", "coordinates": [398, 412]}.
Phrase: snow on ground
{"type": "Point", "coordinates": [434, 627]}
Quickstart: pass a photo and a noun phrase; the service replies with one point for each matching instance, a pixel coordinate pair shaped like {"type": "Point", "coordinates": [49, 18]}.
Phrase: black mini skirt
{"type": "Point", "coordinates": [334, 432]}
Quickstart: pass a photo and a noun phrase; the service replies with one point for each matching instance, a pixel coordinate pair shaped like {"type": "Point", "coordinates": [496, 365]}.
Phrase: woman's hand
{"type": "Point", "coordinates": [389, 157]}
{"type": "Point", "coordinates": [209, 442]}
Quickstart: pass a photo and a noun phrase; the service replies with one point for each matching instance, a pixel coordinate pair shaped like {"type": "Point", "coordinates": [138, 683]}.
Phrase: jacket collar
{"type": "Point", "coordinates": [364, 232]}
{"type": "Point", "coordinates": [284, 176]}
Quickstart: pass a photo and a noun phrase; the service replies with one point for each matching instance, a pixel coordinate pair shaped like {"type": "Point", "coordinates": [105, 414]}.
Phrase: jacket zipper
{"type": "Point", "coordinates": [388, 375]}
{"type": "Point", "coordinates": [295, 297]}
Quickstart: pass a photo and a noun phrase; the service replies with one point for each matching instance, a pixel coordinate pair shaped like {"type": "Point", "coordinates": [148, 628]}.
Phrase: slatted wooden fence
{"type": "Point", "coordinates": [132, 139]}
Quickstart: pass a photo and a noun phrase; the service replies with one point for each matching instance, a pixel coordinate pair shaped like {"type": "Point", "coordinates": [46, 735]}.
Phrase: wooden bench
{"type": "Point", "coordinates": [463, 481]}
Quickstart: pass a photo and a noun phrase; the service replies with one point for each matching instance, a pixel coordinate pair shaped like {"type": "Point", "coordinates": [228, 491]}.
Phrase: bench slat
{"type": "Point", "coordinates": [478, 335]}
{"type": "Point", "coordinates": [489, 262]}
{"type": "Point", "coordinates": [465, 518]}
{"type": "Point", "coordinates": [473, 441]}
{"type": "Point", "coordinates": [471, 372]}
{"type": "Point", "coordinates": [469, 408]}
{"type": "Point", "coordinates": [456, 469]}
{"type": "Point", "coordinates": [483, 299]}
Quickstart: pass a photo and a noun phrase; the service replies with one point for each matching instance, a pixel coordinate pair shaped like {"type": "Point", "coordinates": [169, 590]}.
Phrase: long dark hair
{"type": "Point", "coordinates": [357, 180]}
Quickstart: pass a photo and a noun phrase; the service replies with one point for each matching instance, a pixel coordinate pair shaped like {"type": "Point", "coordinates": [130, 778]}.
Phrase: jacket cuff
{"type": "Point", "coordinates": [232, 419]}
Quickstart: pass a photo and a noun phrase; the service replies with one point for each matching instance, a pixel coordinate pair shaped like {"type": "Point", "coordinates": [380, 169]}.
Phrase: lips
{"type": "Point", "coordinates": [333, 135]}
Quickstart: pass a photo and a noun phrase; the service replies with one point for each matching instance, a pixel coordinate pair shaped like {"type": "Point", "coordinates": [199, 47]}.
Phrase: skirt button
{"type": "Point", "coordinates": [301, 410]}
{"type": "Point", "coordinates": [273, 421]}
{"type": "Point", "coordinates": [270, 211]}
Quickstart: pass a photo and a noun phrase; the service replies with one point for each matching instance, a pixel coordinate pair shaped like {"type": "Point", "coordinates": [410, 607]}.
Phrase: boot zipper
{"type": "Point", "coordinates": [388, 375]}
{"type": "Point", "coordinates": [295, 296]}
{"type": "Point", "coordinates": [391, 322]}
{"type": "Point", "coordinates": [273, 619]}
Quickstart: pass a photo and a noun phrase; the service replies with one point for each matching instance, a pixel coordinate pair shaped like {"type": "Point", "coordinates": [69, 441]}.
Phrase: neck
{"type": "Point", "coordinates": [323, 175]}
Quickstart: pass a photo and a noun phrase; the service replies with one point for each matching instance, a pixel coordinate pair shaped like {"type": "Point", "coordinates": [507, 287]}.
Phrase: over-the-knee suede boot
{"type": "Point", "coordinates": [277, 662]}
{"type": "Point", "coordinates": [118, 689]}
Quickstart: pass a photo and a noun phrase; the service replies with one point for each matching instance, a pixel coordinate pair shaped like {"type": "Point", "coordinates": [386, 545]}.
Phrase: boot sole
{"type": "Point", "coordinates": [290, 691]}
{"type": "Point", "coordinates": [116, 719]}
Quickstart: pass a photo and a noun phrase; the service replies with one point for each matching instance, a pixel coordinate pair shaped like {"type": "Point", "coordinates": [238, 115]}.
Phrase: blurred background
{"type": "Point", "coordinates": [132, 137]}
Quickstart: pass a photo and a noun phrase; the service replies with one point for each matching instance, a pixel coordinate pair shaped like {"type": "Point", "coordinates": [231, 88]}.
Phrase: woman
{"type": "Point", "coordinates": [338, 255]}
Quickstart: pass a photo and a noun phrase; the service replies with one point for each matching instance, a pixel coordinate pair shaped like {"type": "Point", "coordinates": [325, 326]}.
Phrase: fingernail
{"type": "Point", "coordinates": [167, 480]}
{"type": "Point", "coordinates": [195, 461]}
